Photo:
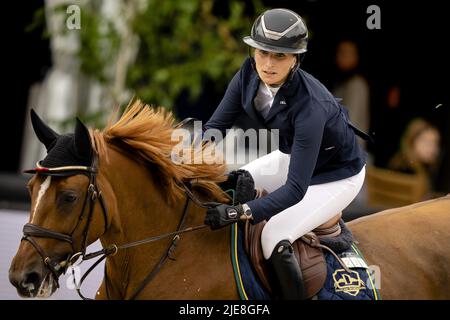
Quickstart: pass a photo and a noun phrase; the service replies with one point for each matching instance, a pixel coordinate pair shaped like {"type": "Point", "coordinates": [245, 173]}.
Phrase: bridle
{"type": "Point", "coordinates": [31, 231]}
{"type": "Point", "coordinates": [93, 194]}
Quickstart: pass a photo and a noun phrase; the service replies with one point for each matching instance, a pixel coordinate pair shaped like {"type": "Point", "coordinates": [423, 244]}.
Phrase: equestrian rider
{"type": "Point", "coordinates": [319, 166]}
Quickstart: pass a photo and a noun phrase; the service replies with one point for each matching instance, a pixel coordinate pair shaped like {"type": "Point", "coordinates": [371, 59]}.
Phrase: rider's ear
{"type": "Point", "coordinates": [82, 140]}
{"type": "Point", "coordinates": [44, 133]}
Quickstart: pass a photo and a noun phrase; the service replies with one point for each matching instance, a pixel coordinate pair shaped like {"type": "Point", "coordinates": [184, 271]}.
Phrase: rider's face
{"type": "Point", "coordinates": [273, 68]}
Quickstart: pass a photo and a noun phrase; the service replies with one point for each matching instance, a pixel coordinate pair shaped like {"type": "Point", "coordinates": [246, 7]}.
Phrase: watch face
{"type": "Point", "coordinates": [232, 213]}
{"type": "Point", "coordinates": [247, 210]}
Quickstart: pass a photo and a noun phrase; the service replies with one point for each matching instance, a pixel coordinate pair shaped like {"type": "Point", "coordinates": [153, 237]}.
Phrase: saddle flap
{"type": "Point", "coordinates": [313, 265]}
{"type": "Point", "coordinates": [311, 260]}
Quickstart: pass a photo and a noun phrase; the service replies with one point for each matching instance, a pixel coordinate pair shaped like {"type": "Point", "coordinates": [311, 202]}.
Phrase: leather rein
{"type": "Point", "coordinates": [93, 194]}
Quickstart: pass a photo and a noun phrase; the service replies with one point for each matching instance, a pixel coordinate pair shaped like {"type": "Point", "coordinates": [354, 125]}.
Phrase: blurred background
{"type": "Point", "coordinates": [69, 59]}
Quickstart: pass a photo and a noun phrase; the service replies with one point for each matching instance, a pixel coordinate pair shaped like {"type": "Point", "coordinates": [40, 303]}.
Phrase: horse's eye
{"type": "Point", "coordinates": [69, 198]}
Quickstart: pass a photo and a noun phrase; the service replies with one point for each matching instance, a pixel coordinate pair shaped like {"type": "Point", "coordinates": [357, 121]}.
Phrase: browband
{"type": "Point", "coordinates": [66, 169]}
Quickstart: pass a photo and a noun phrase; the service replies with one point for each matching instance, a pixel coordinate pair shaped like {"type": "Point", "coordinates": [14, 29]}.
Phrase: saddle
{"type": "Point", "coordinates": [307, 250]}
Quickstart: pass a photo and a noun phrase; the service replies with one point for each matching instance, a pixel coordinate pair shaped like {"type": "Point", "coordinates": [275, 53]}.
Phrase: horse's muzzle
{"type": "Point", "coordinates": [35, 282]}
{"type": "Point", "coordinates": [33, 279]}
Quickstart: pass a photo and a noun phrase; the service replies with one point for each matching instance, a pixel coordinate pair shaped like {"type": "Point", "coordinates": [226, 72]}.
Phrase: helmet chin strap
{"type": "Point", "coordinates": [296, 66]}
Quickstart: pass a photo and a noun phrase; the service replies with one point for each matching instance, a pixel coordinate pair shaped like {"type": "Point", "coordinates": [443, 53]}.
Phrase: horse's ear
{"type": "Point", "coordinates": [82, 140]}
{"type": "Point", "coordinates": [44, 133]}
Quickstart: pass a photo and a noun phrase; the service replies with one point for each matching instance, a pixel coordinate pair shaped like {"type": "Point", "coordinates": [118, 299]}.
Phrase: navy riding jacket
{"type": "Point", "coordinates": [313, 128]}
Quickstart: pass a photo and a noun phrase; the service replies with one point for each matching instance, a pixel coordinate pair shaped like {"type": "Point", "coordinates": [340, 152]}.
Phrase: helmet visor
{"type": "Point", "coordinates": [267, 47]}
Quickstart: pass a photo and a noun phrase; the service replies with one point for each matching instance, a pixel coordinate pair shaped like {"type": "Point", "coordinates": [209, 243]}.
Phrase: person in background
{"type": "Point", "coordinates": [353, 89]}
{"type": "Point", "coordinates": [351, 86]}
{"type": "Point", "coordinates": [389, 120]}
{"type": "Point", "coordinates": [419, 152]}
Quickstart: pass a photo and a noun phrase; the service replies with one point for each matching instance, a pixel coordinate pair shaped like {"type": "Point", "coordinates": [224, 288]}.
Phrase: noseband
{"type": "Point", "coordinates": [31, 231]}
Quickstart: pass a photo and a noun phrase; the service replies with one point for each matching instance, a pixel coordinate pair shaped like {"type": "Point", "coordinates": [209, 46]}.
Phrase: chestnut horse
{"type": "Point", "coordinates": [140, 197]}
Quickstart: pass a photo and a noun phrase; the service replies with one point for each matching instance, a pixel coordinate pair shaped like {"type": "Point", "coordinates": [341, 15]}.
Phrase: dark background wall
{"type": "Point", "coordinates": [25, 58]}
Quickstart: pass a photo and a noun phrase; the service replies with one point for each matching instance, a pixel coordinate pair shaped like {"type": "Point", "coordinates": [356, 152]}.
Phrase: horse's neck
{"type": "Point", "coordinates": [136, 214]}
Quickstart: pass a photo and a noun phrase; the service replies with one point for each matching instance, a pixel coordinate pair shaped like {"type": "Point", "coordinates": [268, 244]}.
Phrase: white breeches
{"type": "Point", "coordinates": [320, 203]}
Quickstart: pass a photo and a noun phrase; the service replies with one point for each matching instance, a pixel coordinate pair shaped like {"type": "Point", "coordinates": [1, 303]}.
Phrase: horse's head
{"type": "Point", "coordinates": [64, 216]}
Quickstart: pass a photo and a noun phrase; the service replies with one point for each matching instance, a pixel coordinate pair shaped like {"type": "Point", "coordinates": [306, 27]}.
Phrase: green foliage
{"type": "Point", "coordinates": [99, 43]}
{"type": "Point", "coordinates": [182, 44]}
{"type": "Point", "coordinates": [94, 119]}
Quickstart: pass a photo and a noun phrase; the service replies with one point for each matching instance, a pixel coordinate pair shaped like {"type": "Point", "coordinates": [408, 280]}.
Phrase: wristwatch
{"type": "Point", "coordinates": [247, 212]}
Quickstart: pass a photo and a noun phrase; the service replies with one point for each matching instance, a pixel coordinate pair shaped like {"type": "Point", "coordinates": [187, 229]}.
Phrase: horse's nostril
{"type": "Point", "coordinates": [31, 281]}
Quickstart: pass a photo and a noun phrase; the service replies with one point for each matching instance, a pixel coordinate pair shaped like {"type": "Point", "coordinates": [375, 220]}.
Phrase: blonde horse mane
{"type": "Point", "coordinates": [146, 132]}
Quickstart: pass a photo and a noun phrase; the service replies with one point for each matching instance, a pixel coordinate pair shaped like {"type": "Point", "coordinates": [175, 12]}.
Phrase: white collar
{"type": "Point", "coordinates": [272, 90]}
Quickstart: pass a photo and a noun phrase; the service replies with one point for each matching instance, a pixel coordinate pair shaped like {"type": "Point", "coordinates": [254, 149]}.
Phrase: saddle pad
{"type": "Point", "coordinates": [341, 285]}
{"type": "Point", "coordinates": [247, 281]}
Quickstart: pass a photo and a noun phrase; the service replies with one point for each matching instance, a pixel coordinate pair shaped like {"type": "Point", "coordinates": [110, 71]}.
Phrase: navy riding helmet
{"type": "Point", "coordinates": [279, 30]}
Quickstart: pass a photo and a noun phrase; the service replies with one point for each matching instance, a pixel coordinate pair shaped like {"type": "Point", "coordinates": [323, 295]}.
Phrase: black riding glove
{"type": "Point", "coordinates": [245, 187]}
{"type": "Point", "coordinates": [241, 181]}
{"type": "Point", "coordinates": [223, 215]}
